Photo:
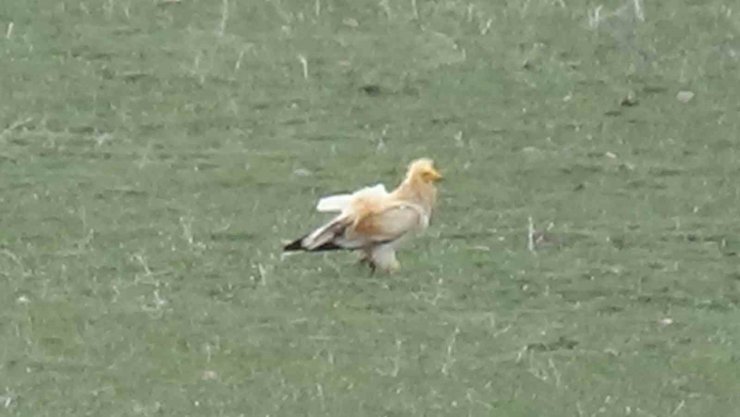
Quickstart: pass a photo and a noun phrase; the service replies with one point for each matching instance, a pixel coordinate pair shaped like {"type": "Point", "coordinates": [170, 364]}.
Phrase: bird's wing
{"type": "Point", "coordinates": [386, 224]}
{"type": "Point", "coordinates": [340, 202]}
{"type": "Point", "coordinates": [367, 218]}
{"type": "Point", "coordinates": [362, 227]}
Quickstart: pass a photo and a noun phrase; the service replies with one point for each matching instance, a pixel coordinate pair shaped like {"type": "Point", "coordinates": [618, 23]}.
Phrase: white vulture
{"type": "Point", "coordinates": [373, 221]}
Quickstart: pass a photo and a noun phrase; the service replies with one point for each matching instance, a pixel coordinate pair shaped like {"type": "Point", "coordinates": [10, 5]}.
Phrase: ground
{"type": "Point", "coordinates": [154, 155]}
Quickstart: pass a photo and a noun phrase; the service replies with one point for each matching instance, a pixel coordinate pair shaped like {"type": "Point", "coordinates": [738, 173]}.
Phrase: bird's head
{"type": "Point", "coordinates": [423, 170]}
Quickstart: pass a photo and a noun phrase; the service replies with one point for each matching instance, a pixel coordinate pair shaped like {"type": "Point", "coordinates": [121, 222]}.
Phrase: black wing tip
{"type": "Point", "coordinates": [293, 246]}
{"type": "Point", "coordinates": [297, 245]}
{"type": "Point", "coordinates": [327, 246]}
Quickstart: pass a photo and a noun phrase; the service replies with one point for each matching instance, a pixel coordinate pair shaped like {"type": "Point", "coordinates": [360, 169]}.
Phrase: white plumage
{"type": "Point", "coordinates": [340, 202]}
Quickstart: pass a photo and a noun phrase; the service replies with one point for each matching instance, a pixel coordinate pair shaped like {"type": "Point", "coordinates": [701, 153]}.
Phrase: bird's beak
{"type": "Point", "coordinates": [435, 176]}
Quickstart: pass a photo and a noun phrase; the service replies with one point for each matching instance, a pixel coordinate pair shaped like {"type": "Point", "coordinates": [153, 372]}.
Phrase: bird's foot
{"type": "Point", "coordinates": [367, 262]}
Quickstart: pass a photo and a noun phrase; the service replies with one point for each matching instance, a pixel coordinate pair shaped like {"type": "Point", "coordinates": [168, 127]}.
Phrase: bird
{"type": "Point", "coordinates": [374, 221]}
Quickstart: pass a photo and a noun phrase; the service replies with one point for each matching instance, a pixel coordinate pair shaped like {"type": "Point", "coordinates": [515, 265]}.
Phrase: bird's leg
{"type": "Point", "coordinates": [383, 257]}
{"type": "Point", "coordinates": [365, 258]}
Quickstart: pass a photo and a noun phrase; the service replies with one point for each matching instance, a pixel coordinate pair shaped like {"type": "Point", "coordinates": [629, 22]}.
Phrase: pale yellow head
{"type": "Point", "coordinates": [423, 170]}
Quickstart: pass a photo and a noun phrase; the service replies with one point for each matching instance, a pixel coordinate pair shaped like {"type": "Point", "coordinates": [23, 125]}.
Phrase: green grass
{"type": "Point", "coordinates": [152, 159]}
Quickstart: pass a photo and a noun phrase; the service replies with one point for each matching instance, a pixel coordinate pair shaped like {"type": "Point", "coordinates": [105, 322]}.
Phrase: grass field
{"type": "Point", "coordinates": [154, 155]}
